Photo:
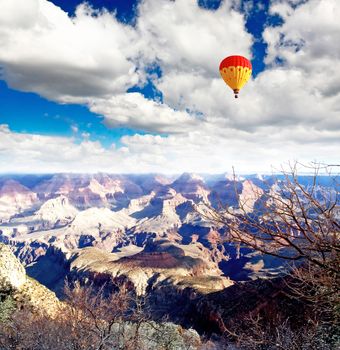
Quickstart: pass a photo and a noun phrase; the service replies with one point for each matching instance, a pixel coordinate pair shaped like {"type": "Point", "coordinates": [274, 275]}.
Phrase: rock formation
{"type": "Point", "coordinates": [71, 212]}
{"type": "Point", "coordinates": [159, 263]}
{"type": "Point", "coordinates": [26, 291]}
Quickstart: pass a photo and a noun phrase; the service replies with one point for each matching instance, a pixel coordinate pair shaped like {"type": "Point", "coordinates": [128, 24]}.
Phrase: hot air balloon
{"type": "Point", "coordinates": [235, 71]}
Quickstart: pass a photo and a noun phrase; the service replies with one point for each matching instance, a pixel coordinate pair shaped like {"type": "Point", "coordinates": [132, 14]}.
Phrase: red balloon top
{"type": "Point", "coordinates": [235, 61]}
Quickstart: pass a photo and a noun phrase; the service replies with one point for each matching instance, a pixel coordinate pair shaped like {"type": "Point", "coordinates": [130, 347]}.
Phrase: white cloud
{"type": "Point", "coordinates": [186, 38]}
{"type": "Point", "coordinates": [200, 151]}
{"type": "Point", "coordinates": [189, 43]}
{"type": "Point", "coordinates": [135, 110]}
{"type": "Point", "coordinates": [307, 41]}
{"type": "Point", "coordinates": [289, 111]}
{"type": "Point", "coordinates": [196, 151]}
{"type": "Point", "coordinates": [303, 92]}
{"type": "Point", "coordinates": [93, 54]}
{"type": "Point", "coordinates": [65, 59]}
{"type": "Point", "coordinates": [92, 58]}
{"type": "Point", "coordinates": [22, 152]}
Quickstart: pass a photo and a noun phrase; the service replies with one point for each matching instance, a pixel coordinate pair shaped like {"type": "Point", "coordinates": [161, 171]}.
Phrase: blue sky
{"type": "Point", "coordinates": [35, 114]}
{"type": "Point", "coordinates": [130, 83]}
{"type": "Point", "coordinates": [28, 112]}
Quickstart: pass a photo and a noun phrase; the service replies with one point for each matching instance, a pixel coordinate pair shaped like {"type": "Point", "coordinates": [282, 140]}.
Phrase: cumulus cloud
{"type": "Point", "coordinates": [93, 54]}
{"type": "Point", "coordinates": [307, 41]}
{"type": "Point", "coordinates": [221, 149]}
{"type": "Point", "coordinates": [196, 151]}
{"type": "Point", "coordinates": [92, 57]}
{"type": "Point", "coordinates": [188, 43]}
{"type": "Point", "coordinates": [135, 110]}
{"type": "Point", "coordinates": [22, 152]}
{"type": "Point", "coordinates": [300, 86]}
{"type": "Point", "coordinates": [65, 59]}
{"type": "Point", "coordinates": [289, 111]}
{"type": "Point", "coordinates": [184, 37]}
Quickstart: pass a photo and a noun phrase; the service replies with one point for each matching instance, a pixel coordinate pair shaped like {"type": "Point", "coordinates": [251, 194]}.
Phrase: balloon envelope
{"type": "Point", "coordinates": [235, 71]}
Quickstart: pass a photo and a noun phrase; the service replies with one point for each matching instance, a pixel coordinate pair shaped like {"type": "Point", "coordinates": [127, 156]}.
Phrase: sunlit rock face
{"type": "Point", "coordinates": [12, 273]}
{"type": "Point", "coordinates": [25, 291]}
{"type": "Point", "coordinates": [110, 212]}
{"type": "Point", "coordinates": [86, 191]}
{"type": "Point", "coordinates": [14, 199]}
{"type": "Point", "coordinates": [249, 196]}
{"type": "Point", "coordinates": [56, 212]}
{"type": "Point", "coordinates": [158, 264]}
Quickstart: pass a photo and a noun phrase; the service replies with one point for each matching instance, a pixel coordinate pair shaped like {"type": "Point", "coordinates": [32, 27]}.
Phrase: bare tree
{"type": "Point", "coordinates": [291, 221]}
{"type": "Point", "coordinates": [301, 224]}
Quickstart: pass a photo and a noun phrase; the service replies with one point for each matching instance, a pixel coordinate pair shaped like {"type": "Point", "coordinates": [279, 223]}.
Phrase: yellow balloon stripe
{"type": "Point", "coordinates": [236, 77]}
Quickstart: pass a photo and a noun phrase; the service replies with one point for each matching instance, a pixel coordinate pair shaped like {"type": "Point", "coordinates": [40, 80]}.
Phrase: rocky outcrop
{"type": "Point", "coordinates": [35, 296]}
{"type": "Point", "coordinates": [86, 191]}
{"type": "Point", "coordinates": [192, 186]}
{"type": "Point", "coordinates": [249, 196]}
{"type": "Point", "coordinates": [113, 211]}
{"type": "Point", "coordinates": [56, 212]}
{"type": "Point", "coordinates": [160, 263]}
{"type": "Point", "coordinates": [26, 292]}
{"type": "Point", "coordinates": [12, 273]}
{"type": "Point", "coordinates": [14, 199]}
{"type": "Point", "coordinates": [156, 336]}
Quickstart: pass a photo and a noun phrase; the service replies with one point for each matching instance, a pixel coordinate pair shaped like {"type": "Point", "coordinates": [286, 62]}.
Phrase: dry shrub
{"type": "Point", "coordinates": [92, 319]}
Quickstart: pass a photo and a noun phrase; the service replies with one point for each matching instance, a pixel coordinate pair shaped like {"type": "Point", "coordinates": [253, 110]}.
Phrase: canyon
{"type": "Point", "coordinates": [148, 232]}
